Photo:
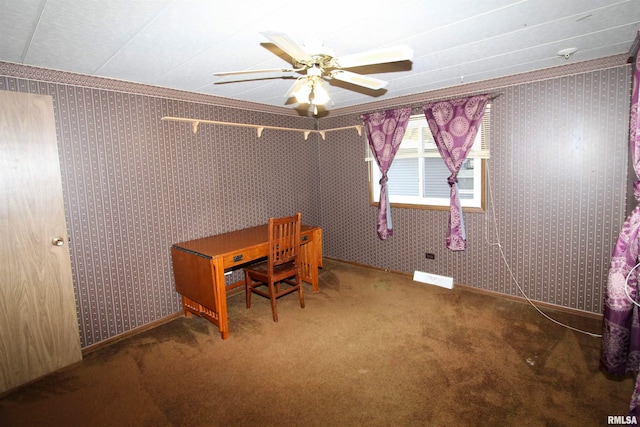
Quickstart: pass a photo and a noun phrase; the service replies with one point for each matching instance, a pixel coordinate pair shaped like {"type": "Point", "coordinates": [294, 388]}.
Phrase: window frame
{"type": "Point", "coordinates": [479, 156]}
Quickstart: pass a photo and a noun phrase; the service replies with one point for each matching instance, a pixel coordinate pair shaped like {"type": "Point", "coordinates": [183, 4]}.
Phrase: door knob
{"type": "Point", "coordinates": [57, 241]}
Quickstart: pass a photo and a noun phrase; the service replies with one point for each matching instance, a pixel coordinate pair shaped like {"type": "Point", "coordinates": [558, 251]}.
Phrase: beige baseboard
{"type": "Point", "coordinates": [540, 304]}
{"type": "Point", "coordinates": [135, 331]}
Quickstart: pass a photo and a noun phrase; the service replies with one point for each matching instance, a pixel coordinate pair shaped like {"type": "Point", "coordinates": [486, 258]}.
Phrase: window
{"type": "Point", "coordinates": [418, 175]}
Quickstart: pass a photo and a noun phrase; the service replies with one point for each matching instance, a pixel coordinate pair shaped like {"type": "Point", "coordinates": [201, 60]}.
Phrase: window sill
{"type": "Point", "coordinates": [432, 207]}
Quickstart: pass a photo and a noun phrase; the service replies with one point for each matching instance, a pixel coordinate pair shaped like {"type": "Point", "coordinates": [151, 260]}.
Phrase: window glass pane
{"type": "Point", "coordinates": [435, 178]}
{"type": "Point", "coordinates": [465, 179]}
{"type": "Point", "coordinates": [403, 178]}
{"type": "Point", "coordinates": [410, 144]}
{"type": "Point", "coordinates": [427, 137]}
{"type": "Point", "coordinates": [411, 133]}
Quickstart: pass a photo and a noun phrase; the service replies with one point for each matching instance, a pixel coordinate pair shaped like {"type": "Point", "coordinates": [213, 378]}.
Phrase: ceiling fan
{"type": "Point", "coordinates": [319, 63]}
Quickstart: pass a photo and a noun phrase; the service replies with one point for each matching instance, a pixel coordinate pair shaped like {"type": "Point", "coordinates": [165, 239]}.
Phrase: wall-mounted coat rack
{"type": "Point", "coordinates": [306, 132]}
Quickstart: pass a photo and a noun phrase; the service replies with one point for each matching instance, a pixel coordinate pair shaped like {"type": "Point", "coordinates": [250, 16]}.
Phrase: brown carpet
{"type": "Point", "coordinates": [371, 348]}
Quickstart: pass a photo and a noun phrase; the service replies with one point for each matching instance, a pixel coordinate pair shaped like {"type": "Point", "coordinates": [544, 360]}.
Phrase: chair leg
{"type": "Point", "coordinates": [300, 293]}
{"type": "Point", "coordinates": [247, 288]}
{"type": "Point", "coordinates": [272, 298]}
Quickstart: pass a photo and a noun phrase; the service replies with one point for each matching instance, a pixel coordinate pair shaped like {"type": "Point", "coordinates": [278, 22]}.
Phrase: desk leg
{"type": "Point", "coordinates": [314, 275]}
{"type": "Point", "coordinates": [316, 258]}
{"type": "Point", "coordinates": [187, 313]}
{"type": "Point", "coordinates": [221, 297]}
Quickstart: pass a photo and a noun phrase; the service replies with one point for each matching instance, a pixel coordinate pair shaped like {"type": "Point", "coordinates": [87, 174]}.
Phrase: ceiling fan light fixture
{"type": "Point", "coordinates": [303, 93]}
{"type": "Point", "coordinates": [320, 95]}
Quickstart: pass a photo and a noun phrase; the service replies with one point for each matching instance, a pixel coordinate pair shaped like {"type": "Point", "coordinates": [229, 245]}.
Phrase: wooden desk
{"type": "Point", "coordinates": [199, 266]}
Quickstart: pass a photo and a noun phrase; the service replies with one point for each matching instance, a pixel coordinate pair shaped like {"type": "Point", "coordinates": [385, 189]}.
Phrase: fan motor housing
{"type": "Point", "coordinates": [322, 61]}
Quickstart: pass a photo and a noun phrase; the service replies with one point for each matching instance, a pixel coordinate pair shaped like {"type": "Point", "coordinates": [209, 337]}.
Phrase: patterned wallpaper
{"type": "Point", "coordinates": [557, 176]}
{"type": "Point", "coordinates": [134, 184]}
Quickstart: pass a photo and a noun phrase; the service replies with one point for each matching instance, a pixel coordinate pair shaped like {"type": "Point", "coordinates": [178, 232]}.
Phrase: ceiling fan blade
{"type": "Point", "coordinates": [358, 79]}
{"type": "Point", "coordinates": [267, 70]}
{"type": "Point", "coordinates": [376, 56]}
{"type": "Point", "coordinates": [289, 46]}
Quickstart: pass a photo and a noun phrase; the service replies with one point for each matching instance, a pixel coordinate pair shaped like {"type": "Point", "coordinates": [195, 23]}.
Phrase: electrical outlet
{"type": "Point", "coordinates": [429, 255]}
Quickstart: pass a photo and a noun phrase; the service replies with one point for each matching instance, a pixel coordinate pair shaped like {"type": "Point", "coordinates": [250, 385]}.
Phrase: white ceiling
{"type": "Point", "coordinates": [180, 43]}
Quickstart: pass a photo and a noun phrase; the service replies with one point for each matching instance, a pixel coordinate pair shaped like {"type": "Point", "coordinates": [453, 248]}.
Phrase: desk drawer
{"type": "Point", "coordinates": [243, 256]}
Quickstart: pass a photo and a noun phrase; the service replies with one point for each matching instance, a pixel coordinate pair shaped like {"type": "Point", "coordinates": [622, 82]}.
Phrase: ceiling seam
{"type": "Point", "coordinates": [25, 51]}
{"type": "Point", "coordinates": [135, 36]}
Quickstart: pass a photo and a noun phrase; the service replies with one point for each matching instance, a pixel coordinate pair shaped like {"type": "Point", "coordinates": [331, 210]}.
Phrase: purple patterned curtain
{"type": "Point", "coordinates": [454, 125]}
{"type": "Point", "coordinates": [621, 334]}
{"type": "Point", "coordinates": [385, 130]}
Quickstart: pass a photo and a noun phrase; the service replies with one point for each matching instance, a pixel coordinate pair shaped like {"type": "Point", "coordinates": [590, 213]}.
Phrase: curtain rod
{"type": "Point", "coordinates": [196, 122]}
{"type": "Point", "coordinates": [418, 108]}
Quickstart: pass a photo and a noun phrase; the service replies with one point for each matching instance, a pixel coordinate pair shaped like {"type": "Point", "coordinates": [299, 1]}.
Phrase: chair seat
{"type": "Point", "coordinates": [282, 272]}
{"type": "Point", "coordinates": [263, 267]}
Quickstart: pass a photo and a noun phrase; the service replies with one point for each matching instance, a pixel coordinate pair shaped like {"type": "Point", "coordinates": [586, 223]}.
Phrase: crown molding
{"type": "Point", "coordinates": [487, 86]}
{"type": "Point", "coordinates": [46, 75]}
{"type": "Point", "coordinates": [75, 79]}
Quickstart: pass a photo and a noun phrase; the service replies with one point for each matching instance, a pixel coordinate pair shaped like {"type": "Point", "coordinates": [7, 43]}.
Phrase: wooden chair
{"type": "Point", "coordinates": [282, 264]}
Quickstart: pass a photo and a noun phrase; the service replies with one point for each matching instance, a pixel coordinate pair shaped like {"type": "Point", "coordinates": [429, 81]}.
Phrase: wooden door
{"type": "Point", "coordinates": [38, 321]}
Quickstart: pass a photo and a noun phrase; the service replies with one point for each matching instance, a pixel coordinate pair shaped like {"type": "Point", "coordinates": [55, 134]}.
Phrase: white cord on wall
{"type": "Point", "coordinates": [626, 286]}
{"type": "Point", "coordinates": [504, 258]}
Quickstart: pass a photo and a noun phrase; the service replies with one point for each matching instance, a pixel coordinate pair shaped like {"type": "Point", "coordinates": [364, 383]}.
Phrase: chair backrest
{"type": "Point", "coordinates": [284, 240]}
